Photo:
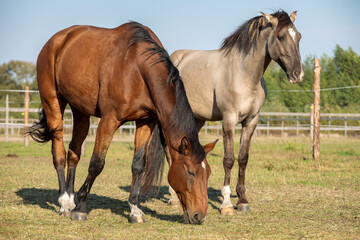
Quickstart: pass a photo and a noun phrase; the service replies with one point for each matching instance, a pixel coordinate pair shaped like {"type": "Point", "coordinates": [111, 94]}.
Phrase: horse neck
{"type": "Point", "coordinates": [172, 109]}
{"type": "Point", "coordinates": [250, 67]}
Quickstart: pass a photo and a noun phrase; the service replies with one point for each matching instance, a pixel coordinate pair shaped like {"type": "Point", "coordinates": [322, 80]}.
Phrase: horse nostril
{"type": "Point", "coordinates": [197, 217]}
{"type": "Point", "coordinates": [296, 74]}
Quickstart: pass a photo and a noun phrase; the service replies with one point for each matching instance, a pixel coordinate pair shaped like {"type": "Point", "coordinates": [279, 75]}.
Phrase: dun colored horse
{"type": "Point", "coordinates": [227, 84]}
{"type": "Point", "coordinates": [119, 75]}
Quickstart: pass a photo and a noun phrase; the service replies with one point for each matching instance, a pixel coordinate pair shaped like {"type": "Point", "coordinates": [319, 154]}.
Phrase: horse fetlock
{"type": "Point", "coordinates": [136, 215]}
{"type": "Point", "coordinates": [226, 193]}
{"type": "Point", "coordinates": [66, 202]}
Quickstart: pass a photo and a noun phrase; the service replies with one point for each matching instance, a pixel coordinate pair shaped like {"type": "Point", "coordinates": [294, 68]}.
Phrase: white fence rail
{"type": "Point", "coordinates": [270, 123]}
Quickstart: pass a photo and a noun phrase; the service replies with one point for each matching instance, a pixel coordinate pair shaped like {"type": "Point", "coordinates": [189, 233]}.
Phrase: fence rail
{"type": "Point", "coordinates": [270, 123]}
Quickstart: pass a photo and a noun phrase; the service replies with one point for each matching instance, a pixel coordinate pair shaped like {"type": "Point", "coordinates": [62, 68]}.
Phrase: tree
{"type": "Point", "coordinates": [15, 75]}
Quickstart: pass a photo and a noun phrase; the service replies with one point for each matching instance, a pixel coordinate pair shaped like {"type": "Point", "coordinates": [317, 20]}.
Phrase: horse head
{"type": "Point", "coordinates": [283, 44]}
{"type": "Point", "coordinates": [188, 177]}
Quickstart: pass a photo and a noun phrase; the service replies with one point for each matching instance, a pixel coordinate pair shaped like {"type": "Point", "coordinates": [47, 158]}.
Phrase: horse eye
{"type": "Point", "coordinates": [191, 173]}
{"type": "Point", "coordinates": [281, 38]}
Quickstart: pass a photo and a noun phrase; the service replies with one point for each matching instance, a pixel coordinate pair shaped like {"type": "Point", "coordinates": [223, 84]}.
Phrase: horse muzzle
{"type": "Point", "coordinates": [295, 76]}
{"type": "Point", "coordinates": [195, 218]}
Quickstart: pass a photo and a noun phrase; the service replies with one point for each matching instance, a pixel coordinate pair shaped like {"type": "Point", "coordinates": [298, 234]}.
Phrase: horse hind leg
{"type": "Point", "coordinates": [246, 134]}
{"type": "Point", "coordinates": [54, 109]}
{"type": "Point", "coordinates": [80, 131]}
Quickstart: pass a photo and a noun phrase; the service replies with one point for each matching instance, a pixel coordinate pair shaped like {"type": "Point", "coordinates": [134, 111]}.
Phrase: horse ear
{"type": "Point", "coordinates": [185, 146]}
{"type": "Point", "coordinates": [293, 16]}
{"type": "Point", "coordinates": [210, 146]}
{"type": "Point", "coordinates": [271, 19]}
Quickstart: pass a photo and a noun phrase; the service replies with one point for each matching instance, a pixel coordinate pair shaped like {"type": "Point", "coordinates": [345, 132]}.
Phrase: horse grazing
{"type": "Point", "coordinates": [119, 75]}
{"type": "Point", "coordinates": [227, 84]}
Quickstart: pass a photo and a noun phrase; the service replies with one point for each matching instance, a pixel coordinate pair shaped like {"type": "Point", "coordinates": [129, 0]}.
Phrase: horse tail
{"type": "Point", "coordinates": [40, 131]}
{"type": "Point", "coordinates": [154, 166]}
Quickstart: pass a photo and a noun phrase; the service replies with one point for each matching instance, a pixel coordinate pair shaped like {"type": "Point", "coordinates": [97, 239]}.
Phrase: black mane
{"type": "Point", "coordinates": [245, 37]}
{"type": "Point", "coordinates": [182, 122]}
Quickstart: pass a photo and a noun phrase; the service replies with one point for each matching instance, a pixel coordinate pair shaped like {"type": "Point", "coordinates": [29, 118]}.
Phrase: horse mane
{"type": "Point", "coordinates": [245, 37]}
{"type": "Point", "coordinates": [182, 122]}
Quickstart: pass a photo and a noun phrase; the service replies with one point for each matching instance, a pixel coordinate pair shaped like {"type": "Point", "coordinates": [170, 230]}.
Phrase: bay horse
{"type": "Point", "coordinates": [227, 84]}
{"type": "Point", "coordinates": [119, 75]}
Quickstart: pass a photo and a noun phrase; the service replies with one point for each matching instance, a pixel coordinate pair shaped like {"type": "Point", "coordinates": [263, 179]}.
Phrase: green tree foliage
{"type": "Point", "coordinates": [16, 75]}
{"type": "Point", "coordinates": [342, 70]}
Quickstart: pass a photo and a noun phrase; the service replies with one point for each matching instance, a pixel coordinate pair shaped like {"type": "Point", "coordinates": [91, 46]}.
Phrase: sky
{"type": "Point", "coordinates": [26, 25]}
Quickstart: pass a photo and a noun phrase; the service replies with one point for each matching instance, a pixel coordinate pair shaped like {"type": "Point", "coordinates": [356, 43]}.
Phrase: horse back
{"type": "Point", "coordinates": [91, 68]}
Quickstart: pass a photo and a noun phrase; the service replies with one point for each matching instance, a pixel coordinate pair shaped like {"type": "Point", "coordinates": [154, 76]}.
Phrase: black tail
{"type": "Point", "coordinates": [40, 131]}
{"type": "Point", "coordinates": [152, 174]}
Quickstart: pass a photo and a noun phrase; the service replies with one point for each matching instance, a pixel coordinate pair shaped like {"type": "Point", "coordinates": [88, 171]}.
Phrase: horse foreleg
{"type": "Point", "coordinates": [229, 123]}
{"type": "Point", "coordinates": [105, 132]}
{"type": "Point", "coordinates": [246, 134]}
{"type": "Point", "coordinates": [142, 137]}
{"type": "Point", "coordinates": [80, 131]}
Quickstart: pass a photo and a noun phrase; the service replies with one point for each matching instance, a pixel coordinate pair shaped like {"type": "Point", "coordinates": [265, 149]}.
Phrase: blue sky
{"type": "Point", "coordinates": [26, 25]}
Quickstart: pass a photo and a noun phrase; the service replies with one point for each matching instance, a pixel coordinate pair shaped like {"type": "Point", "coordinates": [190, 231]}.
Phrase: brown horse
{"type": "Point", "coordinates": [119, 75]}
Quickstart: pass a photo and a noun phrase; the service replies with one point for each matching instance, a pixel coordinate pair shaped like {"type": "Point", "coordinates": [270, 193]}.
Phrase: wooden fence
{"type": "Point", "coordinates": [271, 123]}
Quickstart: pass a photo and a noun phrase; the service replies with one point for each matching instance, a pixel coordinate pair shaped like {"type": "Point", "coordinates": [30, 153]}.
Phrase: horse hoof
{"type": "Point", "coordinates": [245, 207]}
{"type": "Point", "coordinates": [79, 216]}
{"type": "Point", "coordinates": [137, 219]}
{"type": "Point", "coordinates": [227, 211]}
{"type": "Point", "coordinates": [66, 213]}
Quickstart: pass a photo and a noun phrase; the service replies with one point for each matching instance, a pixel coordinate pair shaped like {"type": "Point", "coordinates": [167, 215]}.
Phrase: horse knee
{"type": "Point", "coordinates": [228, 162]}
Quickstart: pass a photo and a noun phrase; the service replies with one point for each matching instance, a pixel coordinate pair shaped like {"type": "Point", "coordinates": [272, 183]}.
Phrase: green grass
{"type": "Point", "coordinates": [291, 196]}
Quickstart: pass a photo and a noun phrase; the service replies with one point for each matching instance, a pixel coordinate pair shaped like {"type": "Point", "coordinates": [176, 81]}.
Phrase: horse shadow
{"type": "Point", "coordinates": [214, 196]}
{"type": "Point", "coordinates": [48, 199]}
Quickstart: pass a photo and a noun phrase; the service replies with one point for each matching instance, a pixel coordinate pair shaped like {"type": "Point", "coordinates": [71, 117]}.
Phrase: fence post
{"type": "Point", "coordinates": [7, 118]}
{"type": "Point", "coordinates": [12, 125]}
{"type": "Point", "coordinates": [345, 128]}
{"type": "Point", "coordinates": [316, 86]}
{"type": "Point", "coordinates": [297, 126]}
{"type": "Point", "coordinates": [268, 126]}
{"type": "Point", "coordinates": [312, 122]}
{"type": "Point", "coordinates": [26, 115]}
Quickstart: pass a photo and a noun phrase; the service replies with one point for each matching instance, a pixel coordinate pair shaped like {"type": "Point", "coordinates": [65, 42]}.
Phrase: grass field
{"type": "Point", "coordinates": [291, 196]}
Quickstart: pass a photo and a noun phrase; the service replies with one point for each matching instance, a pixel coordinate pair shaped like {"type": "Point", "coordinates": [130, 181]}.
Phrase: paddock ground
{"type": "Point", "coordinates": [291, 196]}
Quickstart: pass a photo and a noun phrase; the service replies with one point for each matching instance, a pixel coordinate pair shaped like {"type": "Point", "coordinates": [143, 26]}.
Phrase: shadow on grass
{"type": "Point", "coordinates": [48, 199]}
{"type": "Point", "coordinates": [215, 197]}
